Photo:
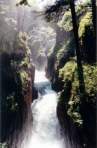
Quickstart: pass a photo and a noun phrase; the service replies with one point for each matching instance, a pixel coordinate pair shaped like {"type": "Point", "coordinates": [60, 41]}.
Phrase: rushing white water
{"type": "Point", "coordinates": [45, 129]}
{"type": "Point", "coordinates": [40, 5]}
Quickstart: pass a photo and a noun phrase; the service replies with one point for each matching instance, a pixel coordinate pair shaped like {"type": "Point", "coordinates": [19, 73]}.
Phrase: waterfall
{"type": "Point", "coordinates": [46, 128]}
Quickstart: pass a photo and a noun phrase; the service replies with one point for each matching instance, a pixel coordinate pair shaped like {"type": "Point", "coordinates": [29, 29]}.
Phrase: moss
{"type": "Point", "coordinates": [65, 51]}
{"type": "Point", "coordinates": [86, 21]}
{"type": "Point", "coordinates": [12, 104]}
{"type": "Point", "coordinates": [62, 50]}
{"type": "Point", "coordinates": [22, 39]}
{"type": "Point", "coordinates": [69, 73]}
{"type": "Point", "coordinates": [15, 69]}
{"type": "Point", "coordinates": [66, 21]}
{"type": "Point", "coordinates": [25, 62]}
{"type": "Point", "coordinates": [24, 78]}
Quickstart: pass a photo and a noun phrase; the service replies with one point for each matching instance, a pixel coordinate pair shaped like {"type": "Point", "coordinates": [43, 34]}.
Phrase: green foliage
{"type": "Point", "coordinates": [69, 73]}
{"type": "Point", "coordinates": [90, 78]}
{"type": "Point", "coordinates": [62, 50]}
{"type": "Point", "coordinates": [68, 46]}
{"type": "Point", "coordinates": [22, 42]}
{"type": "Point", "coordinates": [12, 105]}
{"type": "Point", "coordinates": [66, 21]}
{"type": "Point", "coordinates": [25, 62]}
{"type": "Point", "coordinates": [24, 77]}
{"type": "Point", "coordinates": [85, 22]}
{"type": "Point", "coordinates": [15, 69]}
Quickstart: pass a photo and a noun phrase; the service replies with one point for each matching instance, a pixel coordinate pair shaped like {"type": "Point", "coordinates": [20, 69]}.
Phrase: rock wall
{"type": "Point", "coordinates": [17, 84]}
{"type": "Point", "coordinates": [77, 118]}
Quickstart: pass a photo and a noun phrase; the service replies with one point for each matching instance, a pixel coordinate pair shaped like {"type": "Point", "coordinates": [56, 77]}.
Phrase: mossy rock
{"type": "Point", "coordinates": [69, 73]}
{"type": "Point", "coordinates": [86, 21]}
{"type": "Point", "coordinates": [66, 21]}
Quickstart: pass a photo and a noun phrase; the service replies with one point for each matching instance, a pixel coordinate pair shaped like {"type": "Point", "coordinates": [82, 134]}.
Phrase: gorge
{"type": "Point", "coordinates": [41, 102]}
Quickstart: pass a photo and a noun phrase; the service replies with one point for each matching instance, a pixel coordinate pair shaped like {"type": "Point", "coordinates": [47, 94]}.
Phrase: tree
{"type": "Point", "coordinates": [78, 53]}
{"type": "Point", "coordinates": [93, 2]}
{"type": "Point", "coordinates": [75, 30]}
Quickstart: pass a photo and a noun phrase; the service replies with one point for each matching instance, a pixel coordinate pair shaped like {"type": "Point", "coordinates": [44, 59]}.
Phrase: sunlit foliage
{"type": "Point", "coordinates": [86, 21]}
{"type": "Point", "coordinates": [69, 73]}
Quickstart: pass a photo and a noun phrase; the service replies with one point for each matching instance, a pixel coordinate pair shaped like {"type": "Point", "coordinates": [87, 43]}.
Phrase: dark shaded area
{"type": "Point", "coordinates": [69, 129]}
{"type": "Point", "coordinates": [34, 93]}
{"type": "Point", "coordinates": [93, 2]}
{"type": "Point", "coordinates": [88, 112]}
{"type": "Point", "coordinates": [55, 12]}
{"type": "Point", "coordinates": [15, 104]}
{"type": "Point", "coordinates": [58, 5]}
{"type": "Point", "coordinates": [83, 136]}
{"type": "Point", "coordinates": [10, 85]}
{"type": "Point", "coordinates": [88, 49]}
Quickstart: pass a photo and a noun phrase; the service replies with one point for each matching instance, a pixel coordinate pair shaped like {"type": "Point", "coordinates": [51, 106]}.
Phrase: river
{"type": "Point", "coordinates": [46, 129]}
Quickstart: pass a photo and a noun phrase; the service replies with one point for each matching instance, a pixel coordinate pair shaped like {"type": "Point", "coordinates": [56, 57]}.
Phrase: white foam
{"type": "Point", "coordinates": [46, 128]}
{"type": "Point", "coordinates": [40, 5]}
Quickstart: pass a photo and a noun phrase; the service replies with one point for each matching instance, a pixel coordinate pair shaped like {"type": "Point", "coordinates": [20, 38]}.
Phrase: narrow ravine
{"type": "Point", "coordinates": [46, 129]}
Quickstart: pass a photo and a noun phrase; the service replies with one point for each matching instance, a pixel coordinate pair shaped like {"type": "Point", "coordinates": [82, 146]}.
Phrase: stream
{"type": "Point", "coordinates": [46, 129]}
{"type": "Point", "coordinates": [43, 37]}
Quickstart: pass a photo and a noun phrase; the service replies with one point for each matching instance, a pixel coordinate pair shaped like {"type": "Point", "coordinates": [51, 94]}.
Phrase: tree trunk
{"type": "Point", "coordinates": [78, 53]}
{"type": "Point", "coordinates": [93, 2]}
